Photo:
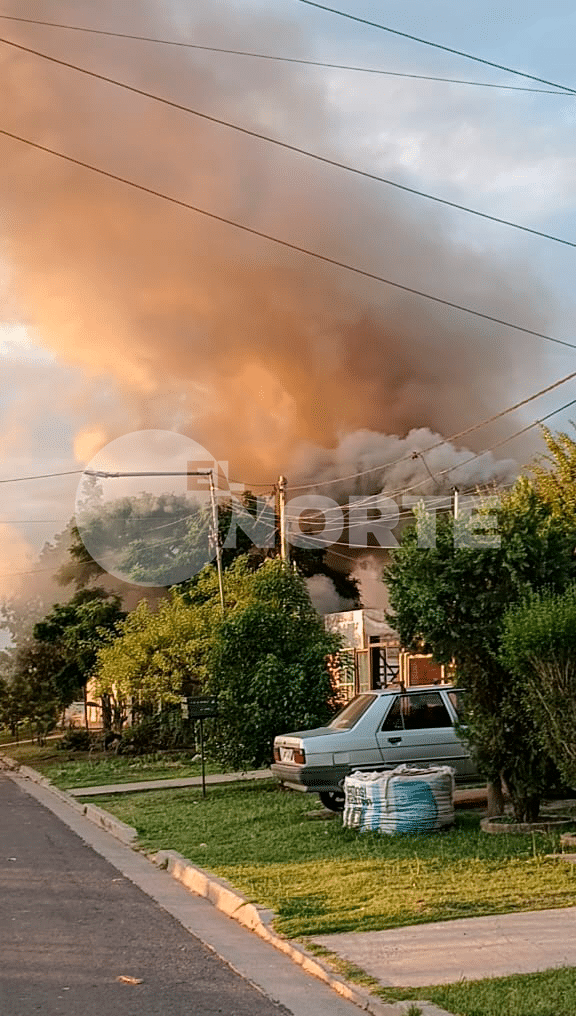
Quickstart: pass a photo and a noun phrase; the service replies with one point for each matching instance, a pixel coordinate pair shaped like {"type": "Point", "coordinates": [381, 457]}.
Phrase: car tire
{"type": "Point", "coordinates": [332, 799]}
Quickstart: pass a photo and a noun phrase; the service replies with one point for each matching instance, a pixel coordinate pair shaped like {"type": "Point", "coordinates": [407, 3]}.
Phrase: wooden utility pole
{"type": "Point", "coordinates": [217, 539]}
{"type": "Point", "coordinates": [282, 484]}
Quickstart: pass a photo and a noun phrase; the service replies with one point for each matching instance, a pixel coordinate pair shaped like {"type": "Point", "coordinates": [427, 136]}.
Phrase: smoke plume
{"type": "Point", "coordinates": [268, 358]}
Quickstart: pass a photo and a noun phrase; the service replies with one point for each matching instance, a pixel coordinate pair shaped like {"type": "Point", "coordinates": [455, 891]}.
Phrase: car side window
{"type": "Point", "coordinates": [417, 712]}
{"type": "Point", "coordinates": [395, 718]}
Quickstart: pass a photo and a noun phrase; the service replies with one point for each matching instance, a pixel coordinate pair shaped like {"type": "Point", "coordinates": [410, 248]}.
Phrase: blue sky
{"type": "Point", "coordinates": [509, 154]}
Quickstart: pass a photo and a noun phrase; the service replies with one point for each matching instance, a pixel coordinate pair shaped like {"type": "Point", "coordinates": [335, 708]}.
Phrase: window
{"type": "Point", "coordinates": [417, 712]}
{"type": "Point", "coordinates": [347, 717]}
{"type": "Point", "coordinates": [456, 699]}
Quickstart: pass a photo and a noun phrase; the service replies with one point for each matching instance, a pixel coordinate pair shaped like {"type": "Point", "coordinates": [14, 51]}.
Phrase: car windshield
{"type": "Point", "coordinates": [351, 713]}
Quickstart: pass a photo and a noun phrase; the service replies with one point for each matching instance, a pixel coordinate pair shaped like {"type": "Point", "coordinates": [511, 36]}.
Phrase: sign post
{"type": "Point", "coordinates": [202, 709]}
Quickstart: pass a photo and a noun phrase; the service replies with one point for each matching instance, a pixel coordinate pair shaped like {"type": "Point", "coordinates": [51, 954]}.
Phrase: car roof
{"type": "Point", "coordinates": [394, 689]}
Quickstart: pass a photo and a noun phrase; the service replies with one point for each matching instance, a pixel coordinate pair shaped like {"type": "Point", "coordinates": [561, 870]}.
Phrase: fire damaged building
{"type": "Point", "coordinates": [372, 657]}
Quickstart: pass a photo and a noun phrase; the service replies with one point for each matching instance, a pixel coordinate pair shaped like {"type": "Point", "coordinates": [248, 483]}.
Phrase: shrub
{"type": "Point", "coordinates": [75, 739]}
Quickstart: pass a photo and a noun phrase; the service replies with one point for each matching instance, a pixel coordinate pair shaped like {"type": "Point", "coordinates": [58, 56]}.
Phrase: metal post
{"type": "Point", "coordinates": [282, 484]}
{"type": "Point", "coordinates": [202, 754]}
{"type": "Point", "coordinates": [217, 539]}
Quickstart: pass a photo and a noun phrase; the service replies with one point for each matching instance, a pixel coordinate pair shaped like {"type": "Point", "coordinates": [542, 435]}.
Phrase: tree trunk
{"type": "Point", "coordinates": [85, 698]}
{"type": "Point", "coordinates": [106, 713]}
{"type": "Point", "coordinates": [495, 796]}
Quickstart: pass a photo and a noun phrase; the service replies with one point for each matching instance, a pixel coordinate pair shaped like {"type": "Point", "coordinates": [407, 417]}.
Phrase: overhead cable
{"type": "Point", "coordinates": [269, 139]}
{"type": "Point", "coordinates": [443, 441]}
{"type": "Point", "coordinates": [275, 57]}
{"type": "Point", "coordinates": [180, 203]}
{"type": "Point", "coordinates": [437, 45]}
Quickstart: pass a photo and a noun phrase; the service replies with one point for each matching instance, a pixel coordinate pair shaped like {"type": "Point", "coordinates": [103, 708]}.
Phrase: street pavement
{"type": "Point", "coordinates": [90, 928]}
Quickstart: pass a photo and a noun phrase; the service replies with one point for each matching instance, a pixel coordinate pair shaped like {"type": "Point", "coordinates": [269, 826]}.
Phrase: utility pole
{"type": "Point", "coordinates": [456, 492]}
{"type": "Point", "coordinates": [282, 484]}
{"type": "Point", "coordinates": [217, 539]}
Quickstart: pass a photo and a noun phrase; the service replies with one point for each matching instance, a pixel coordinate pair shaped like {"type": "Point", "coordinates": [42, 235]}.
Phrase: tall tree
{"type": "Point", "coordinates": [451, 600]}
{"type": "Point", "coordinates": [77, 630]}
{"type": "Point", "coordinates": [33, 691]}
{"type": "Point", "coordinates": [162, 541]}
{"type": "Point", "coordinates": [539, 648]}
{"type": "Point", "coordinates": [269, 667]}
{"type": "Point", "coordinates": [555, 477]}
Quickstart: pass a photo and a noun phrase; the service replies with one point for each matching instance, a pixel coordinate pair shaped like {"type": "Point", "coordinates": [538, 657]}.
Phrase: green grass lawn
{"type": "Point", "coordinates": [78, 769]}
{"type": "Point", "coordinates": [322, 878]}
{"type": "Point", "coordinates": [551, 993]}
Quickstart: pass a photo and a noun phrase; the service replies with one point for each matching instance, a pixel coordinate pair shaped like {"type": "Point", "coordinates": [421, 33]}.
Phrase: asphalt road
{"type": "Point", "coordinates": [71, 926]}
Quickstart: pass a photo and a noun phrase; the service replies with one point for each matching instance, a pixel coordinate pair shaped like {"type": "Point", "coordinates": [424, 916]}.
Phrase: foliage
{"type": "Point", "coordinates": [555, 477]}
{"type": "Point", "coordinates": [166, 730]}
{"type": "Point", "coordinates": [158, 656]}
{"type": "Point", "coordinates": [539, 648]}
{"type": "Point", "coordinates": [77, 630]}
{"type": "Point", "coordinates": [75, 739]}
{"type": "Point", "coordinates": [163, 540]}
{"type": "Point", "coordinates": [265, 658]}
{"type": "Point", "coordinates": [33, 692]}
{"type": "Point", "coordinates": [451, 600]}
{"type": "Point", "coordinates": [268, 668]}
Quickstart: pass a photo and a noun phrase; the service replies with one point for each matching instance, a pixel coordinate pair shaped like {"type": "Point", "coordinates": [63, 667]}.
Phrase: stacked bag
{"type": "Point", "coordinates": [407, 799]}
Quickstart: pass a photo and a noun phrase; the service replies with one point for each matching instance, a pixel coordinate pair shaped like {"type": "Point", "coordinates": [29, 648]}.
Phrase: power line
{"type": "Point", "coordinates": [180, 203]}
{"type": "Point", "coordinates": [373, 499]}
{"type": "Point", "coordinates": [273, 57]}
{"type": "Point", "coordinates": [437, 45]}
{"type": "Point", "coordinates": [444, 472]}
{"type": "Point", "coordinates": [492, 448]}
{"type": "Point", "coordinates": [258, 135]}
{"type": "Point", "coordinates": [41, 476]}
{"type": "Point", "coordinates": [37, 571]}
{"type": "Point", "coordinates": [339, 479]}
{"type": "Point", "coordinates": [447, 440]}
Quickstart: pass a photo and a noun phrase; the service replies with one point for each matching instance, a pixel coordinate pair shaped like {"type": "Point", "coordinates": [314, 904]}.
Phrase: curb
{"type": "Point", "coordinates": [125, 833]}
{"type": "Point", "coordinates": [258, 919]}
{"type": "Point", "coordinates": [228, 900]}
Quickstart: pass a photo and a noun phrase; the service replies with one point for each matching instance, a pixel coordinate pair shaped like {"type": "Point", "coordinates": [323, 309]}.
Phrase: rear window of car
{"type": "Point", "coordinates": [350, 714]}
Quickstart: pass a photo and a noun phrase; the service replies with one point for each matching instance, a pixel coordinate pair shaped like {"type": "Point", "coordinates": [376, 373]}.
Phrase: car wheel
{"type": "Point", "coordinates": [333, 800]}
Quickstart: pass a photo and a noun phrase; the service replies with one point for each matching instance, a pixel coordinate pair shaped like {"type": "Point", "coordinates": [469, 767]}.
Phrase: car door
{"type": "Point", "coordinates": [419, 729]}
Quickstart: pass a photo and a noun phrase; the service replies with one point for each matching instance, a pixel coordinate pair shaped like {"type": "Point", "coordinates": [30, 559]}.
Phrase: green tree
{"type": "Point", "coordinates": [268, 667]}
{"type": "Point", "coordinates": [264, 658]}
{"type": "Point", "coordinates": [539, 648]}
{"type": "Point", "coordinates": [163, 540]}
{"type": "Point", "coordinates": [34, 694]}
{"type": "Point", "coordinates": [77, 630]}
{"type": "Point", "coordinates": [451, 600]}
{"type": "Point", "coordinates": [158, 656]}
{"type": "Point", "coordinates": [555, 477]}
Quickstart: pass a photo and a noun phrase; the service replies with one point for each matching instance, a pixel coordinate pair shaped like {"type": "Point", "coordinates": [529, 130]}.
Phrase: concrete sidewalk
{"type": "Point", "coordinates": [470, 948]}
{"type": "Point", "coordinates": [473, 797]}
{"type": "Point", "coordinates": [186, 781]}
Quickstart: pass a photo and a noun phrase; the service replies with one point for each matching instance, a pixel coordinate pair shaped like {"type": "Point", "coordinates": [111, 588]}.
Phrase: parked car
{"type": "Point", "coordinates": [377, 730]}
